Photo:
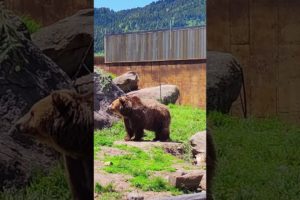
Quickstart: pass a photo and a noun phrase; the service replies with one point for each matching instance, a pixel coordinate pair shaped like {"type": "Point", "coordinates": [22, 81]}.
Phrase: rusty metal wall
{"type": "Point", "coordinates": [178, 44]}
{"type": "Point", "coordinates": [190, 78]}
{"type": "Point", "coordinates": [48, 11]}
{"type": "Point", "coordinates": [264, 36]}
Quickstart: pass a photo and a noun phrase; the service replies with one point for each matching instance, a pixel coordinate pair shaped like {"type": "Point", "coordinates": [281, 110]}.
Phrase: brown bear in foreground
{"type": "Point", "coordinates": [140, 114]}
{"type": "Point", "coordinates": [64, 121]}
{"type": "Point", "coordinates": [211, 161]}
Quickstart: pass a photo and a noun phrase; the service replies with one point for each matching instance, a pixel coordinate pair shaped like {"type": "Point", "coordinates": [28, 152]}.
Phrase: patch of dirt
{"type": "Point", "coordinates": [120, 181]}
{"type": "Point", "coordinates": [174, 148]}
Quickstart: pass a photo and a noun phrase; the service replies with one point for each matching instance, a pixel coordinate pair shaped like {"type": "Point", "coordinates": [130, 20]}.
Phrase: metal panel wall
{"type": "Point", "coordinates": [164, 45]}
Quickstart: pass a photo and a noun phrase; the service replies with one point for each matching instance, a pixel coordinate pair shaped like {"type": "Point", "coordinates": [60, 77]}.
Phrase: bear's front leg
{"type": "Point", "coordinates": [129, 130]}
{"type": "Point", "coordinates": [139, 134]}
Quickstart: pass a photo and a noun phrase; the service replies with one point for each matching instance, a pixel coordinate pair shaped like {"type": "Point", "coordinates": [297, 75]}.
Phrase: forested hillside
{"type": "Point", "coordinates": [157, 15]}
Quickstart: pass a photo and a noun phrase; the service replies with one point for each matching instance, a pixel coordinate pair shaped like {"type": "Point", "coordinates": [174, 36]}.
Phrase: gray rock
{"type": "Point", "coordinates": [85, 84]}
{"type": "Point", "coordinates": [134, 196]}
{"type": "Point", "coordinates": [188, 180]}
{"type": "Point", "coordinates": [224, 81]}
{"type": "Point", "coordinates": [67, 41]}
{"type": "Point", "coordinates": [166, 94]}
{"type": "Point", "coordinates": [203, 185]}
{"type": "Point", "coordinates": [26, 76]}
{"type": "Point", "coordinates": [105, 92]}
{"type": "Point", "coordinates": [127, 82]}
{"type": "Point", "coordinates": [198, 144]}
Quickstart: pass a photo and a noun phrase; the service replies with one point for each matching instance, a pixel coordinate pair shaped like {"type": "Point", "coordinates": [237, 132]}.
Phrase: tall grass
{"type": "Point", "coordinates": [42, 186]}
{"type": "Point", "coordinates": [257, 158]}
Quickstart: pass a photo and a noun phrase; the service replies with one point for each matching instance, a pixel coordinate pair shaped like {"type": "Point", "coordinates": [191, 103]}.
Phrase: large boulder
{"type": "Point", "coordinates": [68, 42]}
{"type": "Point", "coordinates": [26, 76]}
{"type": "Point", "coordinates": [105, 92]}
{"type": "Point", "coordinates": [166, 94]}
{"type": "Point", "coordinates": [127, 82]}
{"type": "Point", "coordinates": [224, 81]}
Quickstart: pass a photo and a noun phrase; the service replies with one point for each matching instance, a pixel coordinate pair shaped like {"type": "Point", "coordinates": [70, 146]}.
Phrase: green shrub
{"type": "Point", "coordinates": [32, 25]}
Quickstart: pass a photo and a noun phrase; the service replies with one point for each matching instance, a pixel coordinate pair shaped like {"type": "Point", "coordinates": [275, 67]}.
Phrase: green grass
{"type": "Point", "coordinates": [32, 25]}
{"type": "Point", "coordinates": [101, 71]}
{"type": "Point", "coordinates": [257, 158]}
{"type": "Point", "coordinates": [107, 192]}
{"type": "Point", "coordinates": [185, 122]}
{"type": "Point", "coordinates": [48, 187]}
{"type": "Point", "coordinates": [156, 184]}
{"type": "Point", "coordinates": [141, 165]}
{"type": "Point", "coordinates": [138, 162]}
{"type": "Point", "coordinates": [101, 53]}
{"type": "Point", "coordinates": [102, 189]}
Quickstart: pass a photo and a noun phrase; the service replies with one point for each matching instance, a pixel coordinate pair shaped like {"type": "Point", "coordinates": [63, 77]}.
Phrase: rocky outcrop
{"type": "Point", "coordinates": [26, 76]}
{"type": "Point", "coordinates": [198, 144]}
{"type": "Point", "coordinates": [127, 82]}
{"type": "Point", "coordinates": [105, 92]}
{"type": "Point", "coordinates": [68, 42]}
{"type": "Point", "coordinates": [224, 81]}
{"type": "Point", "coordinates": [166, 94]}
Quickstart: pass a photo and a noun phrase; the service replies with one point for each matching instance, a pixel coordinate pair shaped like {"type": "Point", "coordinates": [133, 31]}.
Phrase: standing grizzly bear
{"type": "Point", "coordinates": [64, 121]}
{"type": "Point", "coordinates": [140, 114]}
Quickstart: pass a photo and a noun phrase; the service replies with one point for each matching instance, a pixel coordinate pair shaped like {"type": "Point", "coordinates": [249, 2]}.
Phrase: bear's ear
{"type": "Point", "coordinates": [125, 102]}
{"type": "Point", "coordinates": [60, 100]}
{"type": "Point", "coordinates": [122, 100]}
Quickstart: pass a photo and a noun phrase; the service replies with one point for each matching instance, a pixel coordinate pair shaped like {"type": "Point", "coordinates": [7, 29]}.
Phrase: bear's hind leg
{"type": "Point", "coordinates": [162, 135]}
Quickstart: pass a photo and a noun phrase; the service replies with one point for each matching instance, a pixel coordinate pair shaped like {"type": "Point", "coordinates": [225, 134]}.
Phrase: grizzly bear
{"type": "Point", "coordinates": [139, 114]}
{"type": "Point", "coordinates": [64, 120]}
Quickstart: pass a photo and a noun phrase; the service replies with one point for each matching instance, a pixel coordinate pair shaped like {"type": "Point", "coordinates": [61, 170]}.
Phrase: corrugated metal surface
{"type": "Point", "coordinates": [179, 44]}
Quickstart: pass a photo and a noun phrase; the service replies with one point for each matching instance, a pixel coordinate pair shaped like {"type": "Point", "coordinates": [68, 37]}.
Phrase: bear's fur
{"type": "Point", "coordinates": [140, 114]}
{"type": "Point", "coordinates": [211, 160]}
{"type": "Point", "coordinates": [64, 121]}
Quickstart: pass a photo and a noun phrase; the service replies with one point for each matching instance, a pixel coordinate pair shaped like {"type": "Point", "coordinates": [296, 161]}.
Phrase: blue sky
{"type": "Point", "coordinates": [117, 5]}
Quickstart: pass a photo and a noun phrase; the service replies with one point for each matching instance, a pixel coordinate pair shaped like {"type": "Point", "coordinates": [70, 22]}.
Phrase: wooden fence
{"type": "Point", "coordinates": [162, 45]}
